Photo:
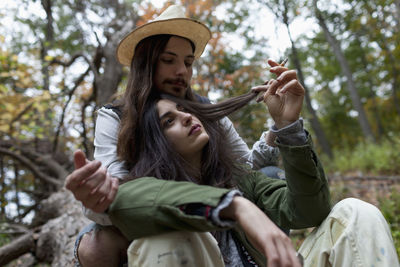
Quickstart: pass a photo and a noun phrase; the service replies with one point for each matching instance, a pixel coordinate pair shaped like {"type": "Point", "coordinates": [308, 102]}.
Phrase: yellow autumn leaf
{"type": "Point", "coordinates": [48, 58]}
{"type": "Point", "coordinates": [6, 117]}
{"type": "Point", "coordinates": [4, 127]}
{"type": "Point", "coordinates": [46, 95]}
{"type": "Point", "coordinates": [5, 74]}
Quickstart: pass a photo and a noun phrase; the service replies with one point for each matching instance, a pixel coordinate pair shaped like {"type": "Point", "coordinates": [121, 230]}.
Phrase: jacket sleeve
{"type": "Point", "coordinates": [259, 156]}
{"type": "Point", "coordinates": [148, 206]}
{"type": "Point", "coordinates": [302, 200]}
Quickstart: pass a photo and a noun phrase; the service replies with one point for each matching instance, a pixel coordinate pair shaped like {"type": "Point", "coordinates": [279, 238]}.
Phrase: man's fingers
{"type": "Point", "coordinates": [101, 182]}
{"type": "Point", "coordinates": [79, 176]}
{"type": "Point", "coordinates": [103, 204]}
{"type": "Point", "coordinates": [79, 159]}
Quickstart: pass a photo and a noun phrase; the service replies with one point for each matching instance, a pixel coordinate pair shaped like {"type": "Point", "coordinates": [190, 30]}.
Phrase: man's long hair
{"type": "Point", "coordinates": [159, 159]}
{"type": "Point", "coordinates": [139, 87]}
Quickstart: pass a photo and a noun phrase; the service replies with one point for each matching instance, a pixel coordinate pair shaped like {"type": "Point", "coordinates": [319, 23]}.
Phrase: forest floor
{"type": "Point", "coordinates": [364, 187]}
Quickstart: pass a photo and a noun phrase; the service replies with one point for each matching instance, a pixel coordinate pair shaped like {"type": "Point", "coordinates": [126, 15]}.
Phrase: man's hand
{"type": "Point", "coordinates": [265, 236]}
{"type": "Point", "coordinates": [91, 184]}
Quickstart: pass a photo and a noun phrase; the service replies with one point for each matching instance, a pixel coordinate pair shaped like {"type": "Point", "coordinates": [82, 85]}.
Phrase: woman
{"type": "Point", "coordinates": [182, 141]}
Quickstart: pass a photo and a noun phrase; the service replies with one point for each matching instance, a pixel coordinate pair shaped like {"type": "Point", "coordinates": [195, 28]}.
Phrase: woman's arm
{"type": "Point", "coordinates": [149, 206]}
{"type": "Point", "coordinates": [262, 233]}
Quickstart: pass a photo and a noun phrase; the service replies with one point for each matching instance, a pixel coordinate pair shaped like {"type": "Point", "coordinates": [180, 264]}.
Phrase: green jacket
{"type": "Point", "coordinates": [149, 206]}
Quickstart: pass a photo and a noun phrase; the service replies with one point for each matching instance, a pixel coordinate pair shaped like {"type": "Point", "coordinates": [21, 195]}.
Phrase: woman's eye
{"type": "Point", "coordinates": [188, 64]}
{"type": "Point", "coordinates": [168, 122]}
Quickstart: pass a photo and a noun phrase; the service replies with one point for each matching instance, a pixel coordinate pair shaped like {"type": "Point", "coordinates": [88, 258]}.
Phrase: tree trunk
{"type": "Point", "coordinates": [54, 242]}
{"type": "Point", "coordinates": [370, 84]}
{"type": "Point", "coordinates": [351, 87]}
{"type": "Point", "coordinates": [106, 85]}
{"type": "Point", "coordinates": [314, 121]}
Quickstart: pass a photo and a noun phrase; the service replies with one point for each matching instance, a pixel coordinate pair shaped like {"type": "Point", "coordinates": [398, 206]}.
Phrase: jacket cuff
{"type": "Point", "coordinates": [225, 202]}
{"type": "Point", "coordinates": [293, 134]}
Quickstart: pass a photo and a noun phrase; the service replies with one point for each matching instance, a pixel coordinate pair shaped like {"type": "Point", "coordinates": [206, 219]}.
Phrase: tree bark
{"type": "Point", "coordinates": [314, 121]}
{"type": "Point", "coordinates": [351, 87]}
{"type": "Point", "coordinates": [54, 242]}
{"type": "Point", "coordinates": [17, 248]}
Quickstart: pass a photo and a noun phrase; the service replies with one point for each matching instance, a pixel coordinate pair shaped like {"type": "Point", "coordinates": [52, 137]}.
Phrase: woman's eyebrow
{"type": "Point", "coordinates": [166, 114]}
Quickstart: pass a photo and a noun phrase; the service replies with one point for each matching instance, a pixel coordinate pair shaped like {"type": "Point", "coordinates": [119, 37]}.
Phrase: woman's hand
{"type": "Point", "coordinates": [264, 235]}
{"type": "Point", "coordinates": [283, 95]}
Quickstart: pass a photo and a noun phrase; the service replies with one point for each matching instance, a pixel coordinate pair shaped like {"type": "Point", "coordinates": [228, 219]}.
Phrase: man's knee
{"type": "Point", "coordinates": [100, 247]}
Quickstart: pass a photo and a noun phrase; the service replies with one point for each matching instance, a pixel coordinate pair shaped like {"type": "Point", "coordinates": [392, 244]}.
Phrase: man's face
{"type": "Point", "coordinates": [174, 68]}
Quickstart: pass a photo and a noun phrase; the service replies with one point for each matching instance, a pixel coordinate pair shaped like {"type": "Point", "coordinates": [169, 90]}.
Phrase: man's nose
{"type": "Point", "coordinates": [181, 69]}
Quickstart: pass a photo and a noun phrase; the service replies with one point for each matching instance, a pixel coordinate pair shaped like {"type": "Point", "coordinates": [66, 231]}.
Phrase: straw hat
{"type": "Point", "coordinates": [172, 21]}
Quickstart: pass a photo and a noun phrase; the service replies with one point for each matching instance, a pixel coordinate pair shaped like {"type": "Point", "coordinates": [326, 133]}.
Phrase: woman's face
{"type": "Point", "coordinates": [174, 67]}
{"type": "Point", "coordinates": [183, 130]}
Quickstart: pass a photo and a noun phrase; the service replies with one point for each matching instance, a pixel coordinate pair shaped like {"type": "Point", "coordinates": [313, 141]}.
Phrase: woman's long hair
{"type": "Point", "coordinates": [160, 160]}
{"type": "Point", "coordinates": [139, 87]}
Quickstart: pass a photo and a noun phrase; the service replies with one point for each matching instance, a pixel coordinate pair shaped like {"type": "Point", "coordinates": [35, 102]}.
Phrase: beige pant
{"type": "Point", "coordinates": [354, 234]}
{"type": "Point", "coordinates": [188, 249]}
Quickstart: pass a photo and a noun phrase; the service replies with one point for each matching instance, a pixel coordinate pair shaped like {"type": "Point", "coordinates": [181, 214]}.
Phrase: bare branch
{"type": "Point", "coordinates": [31, 166]}
{"type": "Point", "coordinates": [70, 94]}
{"type": "Point", "coordinates": [72, 60]}
{"type": "Point", "coordinates": [16, 248]}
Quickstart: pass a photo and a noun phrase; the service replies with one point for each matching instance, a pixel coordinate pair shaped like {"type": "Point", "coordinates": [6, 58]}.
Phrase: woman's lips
{"type": "Point", "coordinates": [195, 128]}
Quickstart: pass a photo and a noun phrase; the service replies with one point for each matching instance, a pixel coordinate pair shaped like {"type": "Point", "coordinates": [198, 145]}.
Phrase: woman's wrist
{"type": "Point", "coordinates": [236, 209]}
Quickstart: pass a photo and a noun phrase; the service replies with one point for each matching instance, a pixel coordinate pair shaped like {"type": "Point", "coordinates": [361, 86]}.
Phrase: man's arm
{"type": "Point", "coordinates": [96, 183]}
{"type": "Point", "coordinates": [262, 154]}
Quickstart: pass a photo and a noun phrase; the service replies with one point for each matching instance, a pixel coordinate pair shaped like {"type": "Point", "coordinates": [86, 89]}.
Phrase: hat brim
{"type": "Point", "coordinates": [191, 29]}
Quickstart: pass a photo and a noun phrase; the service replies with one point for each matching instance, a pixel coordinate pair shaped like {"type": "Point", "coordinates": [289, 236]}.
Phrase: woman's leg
{"type": "Point", "coordinates": [355, 234]}
{"type": "Point", "coordinates": [187, 249]}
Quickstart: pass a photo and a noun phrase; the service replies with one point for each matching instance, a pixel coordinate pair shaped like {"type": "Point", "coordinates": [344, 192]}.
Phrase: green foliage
{"type": "Point", "coordinates": [390, 208]}
{"type": "Point", "coordinates": [4, 238]}
{"type": "Point", "coordinates": [383, 158]}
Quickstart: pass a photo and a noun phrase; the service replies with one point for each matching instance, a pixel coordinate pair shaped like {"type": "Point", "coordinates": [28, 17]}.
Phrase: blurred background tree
{"type": "Point", "coordinates": [58, 66]}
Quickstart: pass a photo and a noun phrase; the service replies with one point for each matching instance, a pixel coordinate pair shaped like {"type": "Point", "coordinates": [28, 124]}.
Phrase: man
{"type": "Point", "coordinates": [161, 54]}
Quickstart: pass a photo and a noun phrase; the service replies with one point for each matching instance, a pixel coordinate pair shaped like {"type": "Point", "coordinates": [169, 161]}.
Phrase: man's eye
{"type": "Point", "coordinates": [166, 60]}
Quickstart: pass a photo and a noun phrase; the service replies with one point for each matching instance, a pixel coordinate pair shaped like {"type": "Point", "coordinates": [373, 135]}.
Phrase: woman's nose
{"type": "Point", "coordinates": [186, 118]}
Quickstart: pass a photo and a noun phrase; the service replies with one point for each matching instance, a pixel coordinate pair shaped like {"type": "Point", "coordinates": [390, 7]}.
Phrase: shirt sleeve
{"type": "Point", "coordinates": [105, 142]}
{"type": "Point", "coordinates": [259, 156]}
